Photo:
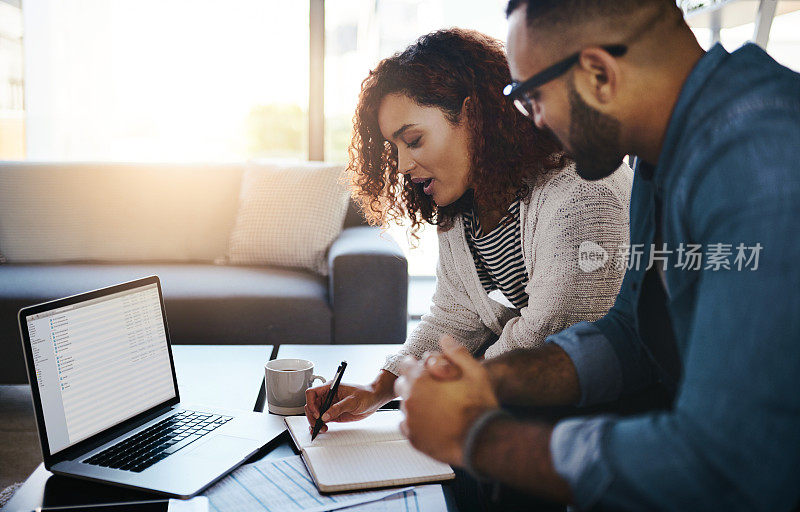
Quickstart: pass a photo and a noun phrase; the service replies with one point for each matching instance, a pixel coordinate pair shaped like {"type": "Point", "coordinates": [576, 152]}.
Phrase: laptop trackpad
{"type": "Point", "coordinates": [221, 447]}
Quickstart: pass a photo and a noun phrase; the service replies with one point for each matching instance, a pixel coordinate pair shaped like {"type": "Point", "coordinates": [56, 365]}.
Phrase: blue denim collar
{"type": "Point", "coordinates": [691, 89]}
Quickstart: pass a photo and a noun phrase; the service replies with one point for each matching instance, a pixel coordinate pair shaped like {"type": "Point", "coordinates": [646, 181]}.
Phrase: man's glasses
{"type": "Point", "coordinates": [518, 91]}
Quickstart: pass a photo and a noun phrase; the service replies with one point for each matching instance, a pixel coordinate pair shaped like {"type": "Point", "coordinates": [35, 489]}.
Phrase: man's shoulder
{"type": "Point", "coordinates": [747, 93]}
{"type": "Point", "coordinates": [748, 113]}
{"type": "Point", "coordinates": [737, 152]}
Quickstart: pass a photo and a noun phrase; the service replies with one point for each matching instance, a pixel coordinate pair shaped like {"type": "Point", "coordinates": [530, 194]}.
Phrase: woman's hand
{"type": "Point", "coordinates": [352, 402]}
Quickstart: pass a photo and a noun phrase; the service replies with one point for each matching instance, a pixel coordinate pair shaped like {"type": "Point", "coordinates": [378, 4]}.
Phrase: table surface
{"type": "Point", "coordinates": [363, 361]}
{"type": "Point", "coordinates": [220, 375]}
{"type": "Point", "coordinates": [225, 375]}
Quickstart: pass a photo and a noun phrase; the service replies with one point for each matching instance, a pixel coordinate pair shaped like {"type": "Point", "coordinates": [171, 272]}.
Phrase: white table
{"type": "Point", "coordinates": [363, 361]}
{"type": "Point", "coordinates": [220, 375]}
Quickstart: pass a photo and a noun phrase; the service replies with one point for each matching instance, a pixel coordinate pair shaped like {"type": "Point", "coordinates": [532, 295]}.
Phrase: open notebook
{"type": "Point", "coordinates": [364, 454]}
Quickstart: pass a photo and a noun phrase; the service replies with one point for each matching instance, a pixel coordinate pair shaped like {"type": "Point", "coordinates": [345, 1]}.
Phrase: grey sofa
{"type": "Point", "coordinates": [362, 300]}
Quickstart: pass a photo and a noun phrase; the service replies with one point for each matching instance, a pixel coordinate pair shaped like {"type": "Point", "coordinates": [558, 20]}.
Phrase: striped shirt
{"type": "Point", "coordinates": [498, 255]}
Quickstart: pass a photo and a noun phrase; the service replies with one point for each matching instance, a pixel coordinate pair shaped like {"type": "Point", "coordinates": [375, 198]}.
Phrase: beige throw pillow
{"type": "Point", "coordinates": [117, 212]}
{"type": "Point", "coordinates": [288, 215]}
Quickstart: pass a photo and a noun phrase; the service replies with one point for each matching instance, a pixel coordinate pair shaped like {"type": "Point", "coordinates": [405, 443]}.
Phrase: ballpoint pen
{"type": "Point", "coordinates": [326, 404]}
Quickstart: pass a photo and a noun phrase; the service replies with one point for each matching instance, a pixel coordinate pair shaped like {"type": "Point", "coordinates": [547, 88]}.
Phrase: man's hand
{"type": "Point", "coordinates": [439, 366]}
{"type": "Point", "coordinates": [439, 410]}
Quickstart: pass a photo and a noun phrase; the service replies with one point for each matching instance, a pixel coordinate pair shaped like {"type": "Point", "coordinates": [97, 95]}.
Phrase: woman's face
{"type": "Point", "coordinates": [430, 150]}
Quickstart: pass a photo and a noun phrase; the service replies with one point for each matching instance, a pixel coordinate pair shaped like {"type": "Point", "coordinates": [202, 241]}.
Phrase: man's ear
{"type": "Point", "coordinates": [597, 75]}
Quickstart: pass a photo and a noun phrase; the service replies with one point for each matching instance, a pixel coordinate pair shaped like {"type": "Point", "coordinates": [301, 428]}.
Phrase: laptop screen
{"type": "Point", "coordinates": [99, 363]}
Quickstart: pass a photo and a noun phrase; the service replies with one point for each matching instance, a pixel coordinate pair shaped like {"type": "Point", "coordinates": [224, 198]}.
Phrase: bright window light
{"type": "Point", "coordinates": [154, 80]}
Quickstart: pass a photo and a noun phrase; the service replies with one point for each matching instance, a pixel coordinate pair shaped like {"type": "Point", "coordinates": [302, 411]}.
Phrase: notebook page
{"type": "Point", "coordinates": [373, 465]}
{"type": "Point", "coordinates": [378, 428]}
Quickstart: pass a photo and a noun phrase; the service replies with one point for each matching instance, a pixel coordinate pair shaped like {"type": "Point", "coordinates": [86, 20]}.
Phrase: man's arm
{"type": "Point", "coordinates": [581, 365]}
{"type": "Point", "coordinates": [506, 443]}
{"type": "Point", "coordinates": [457, 420]}
{"type": "Point", "coordinates": [544, 376]}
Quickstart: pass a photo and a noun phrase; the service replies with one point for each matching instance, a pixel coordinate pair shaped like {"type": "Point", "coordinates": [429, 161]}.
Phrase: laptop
{"type": "Point", "coordinates": [106, 397]}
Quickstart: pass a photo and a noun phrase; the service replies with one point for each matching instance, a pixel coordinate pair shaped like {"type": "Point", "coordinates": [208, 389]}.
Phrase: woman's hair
{"type": "Point", "coordinates": [441, 70]}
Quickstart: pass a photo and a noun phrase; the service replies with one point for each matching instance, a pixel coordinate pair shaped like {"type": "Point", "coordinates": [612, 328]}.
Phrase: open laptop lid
{"type": "Point", "coordinates": [98, 363]}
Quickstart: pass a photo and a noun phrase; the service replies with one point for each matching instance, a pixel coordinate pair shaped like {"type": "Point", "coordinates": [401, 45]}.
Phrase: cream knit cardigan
{"type": "Point", "coordinates": [561, 212]}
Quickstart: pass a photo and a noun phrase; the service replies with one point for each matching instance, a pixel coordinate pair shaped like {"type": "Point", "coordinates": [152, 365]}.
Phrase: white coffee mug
{"type": "Point", "coordinates": [287, 381]}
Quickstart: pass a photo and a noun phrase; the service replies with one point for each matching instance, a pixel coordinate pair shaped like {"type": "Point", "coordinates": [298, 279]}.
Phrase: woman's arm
{"type": "Point", "coordinates": [452, 311]}
{"type": "Point", "coordinates": [563, 290]}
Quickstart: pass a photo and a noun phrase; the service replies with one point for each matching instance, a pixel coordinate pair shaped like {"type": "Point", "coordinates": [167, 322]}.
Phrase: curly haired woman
{"type": "Point", "coordinates": [436, 142]}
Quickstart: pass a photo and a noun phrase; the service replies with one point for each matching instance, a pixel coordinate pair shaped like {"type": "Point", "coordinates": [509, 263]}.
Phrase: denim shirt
{"type": "Point", "coordinates": [727, 180]}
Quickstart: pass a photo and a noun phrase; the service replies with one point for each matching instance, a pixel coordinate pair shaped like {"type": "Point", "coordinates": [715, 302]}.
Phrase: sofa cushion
{"type": "Point", "coordinates": [60, 212]}
{"type": "Point", "coordinates": [205, 304]}
{"type": "Point", "coordinates": [288, 215]}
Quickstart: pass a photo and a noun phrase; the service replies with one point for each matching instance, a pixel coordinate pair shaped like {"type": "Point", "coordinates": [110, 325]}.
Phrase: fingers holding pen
{"type": "Point", "coordinates": [314, 398]}
{"type": "Point", "coordinates": [339, 410]}
{"type": "Point", "coordinates": [351, 403]}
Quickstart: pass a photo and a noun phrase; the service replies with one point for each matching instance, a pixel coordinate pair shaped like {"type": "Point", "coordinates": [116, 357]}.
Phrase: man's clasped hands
{"type": "Point", "coordinates": [443, 393]}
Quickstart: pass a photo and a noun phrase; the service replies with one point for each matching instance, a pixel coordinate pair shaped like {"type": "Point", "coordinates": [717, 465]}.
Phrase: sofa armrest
{"type": "Point", "coordinates": [368, 287]}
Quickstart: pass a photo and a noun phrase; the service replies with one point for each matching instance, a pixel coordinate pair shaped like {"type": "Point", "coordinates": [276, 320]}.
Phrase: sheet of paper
{"type": "Point", "coordinates": [280, 485]}
{"type": "Point", "coordinates": [419, 499]}
{"type": "Point", "coordinates": [196, 504]}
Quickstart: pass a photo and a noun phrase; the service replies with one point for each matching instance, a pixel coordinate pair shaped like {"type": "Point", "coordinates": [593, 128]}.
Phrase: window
{"type": "Point", "coordinates": [203, 80]}
{"type": "Point", "coordinates": [184, 80]}
{"type": "Point", "coordinates": [784, 37]}
{"type": "Point", "coordinates": [358, 34]}
{"type": "Point", "coordinates": [12, 112]}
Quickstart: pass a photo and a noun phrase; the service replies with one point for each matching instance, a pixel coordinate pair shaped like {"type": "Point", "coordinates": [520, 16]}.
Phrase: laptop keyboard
{"type": "Point", "coordinates": [158, 441]}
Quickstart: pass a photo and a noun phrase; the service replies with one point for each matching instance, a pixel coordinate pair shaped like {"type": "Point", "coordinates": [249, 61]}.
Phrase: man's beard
{"type": "Point", "coordinates": [593, 139]}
